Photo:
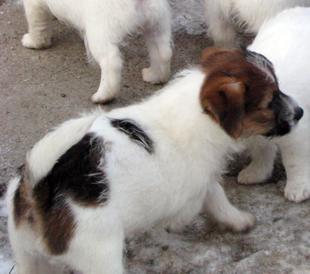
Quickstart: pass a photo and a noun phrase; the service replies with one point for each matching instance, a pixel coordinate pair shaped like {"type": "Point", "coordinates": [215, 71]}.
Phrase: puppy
{"type": "Point", "coordinates": [225, 17]}
{"type": "Point", "coordinates": [96, 179]}
{"type": "Point", "coordinates": [286, 48]}
{"type": "Point", "coordinates": [103, 24]}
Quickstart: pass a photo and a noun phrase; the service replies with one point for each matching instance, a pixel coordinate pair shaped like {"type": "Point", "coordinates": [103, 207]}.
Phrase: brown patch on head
{"type": "Point", "coordinates": [237, 90]}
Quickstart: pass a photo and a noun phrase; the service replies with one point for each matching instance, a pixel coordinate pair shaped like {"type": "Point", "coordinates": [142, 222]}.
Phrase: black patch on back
{"type": "Point", "coordinates": [77, 176]}
{"type": "Point", "coordinates": [135, 133]}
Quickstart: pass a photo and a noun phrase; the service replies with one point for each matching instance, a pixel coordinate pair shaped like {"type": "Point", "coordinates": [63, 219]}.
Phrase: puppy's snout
{"type": "Point", "coordinates": [299, 112]}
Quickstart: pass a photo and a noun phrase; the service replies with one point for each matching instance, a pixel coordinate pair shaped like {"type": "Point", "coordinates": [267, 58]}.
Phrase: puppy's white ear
{"type": "Point", "coordinates": [223, 99]}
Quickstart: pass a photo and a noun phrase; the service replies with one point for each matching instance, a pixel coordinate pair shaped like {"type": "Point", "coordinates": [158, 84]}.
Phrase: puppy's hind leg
{"type": "Point", "coordinates": [30, 261]}
{"type": "Point", "coordinates": [39, 25]}
{"type": "Point", "coordinates": [218, 206]}
{"type": "Point", "coordinates": [97, 246]}
{"type": "Point", "coordinates": [220, 27]}
{"type": "Point", "coordinates": [109, 58]}
{"type": "Point", "coordinates": [157, 34]}
{"type": "Point", "coordinates": [260, 169]}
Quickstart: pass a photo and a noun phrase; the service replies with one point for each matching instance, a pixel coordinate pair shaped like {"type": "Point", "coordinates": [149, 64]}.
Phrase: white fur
{"type": "Point", "coordinates": [284, 40]}
{"type": "Point", "coordinates": [103, 25]}
{"type": "Point", "coordinates": [167, 188]}
{"type": "Point", "coordinates": [224, 17]}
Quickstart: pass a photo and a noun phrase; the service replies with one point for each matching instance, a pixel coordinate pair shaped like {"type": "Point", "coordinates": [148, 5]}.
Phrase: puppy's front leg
{"type": "Point", "coordinates": [39, 20]}
{"type": "Point", "coordinates": [218, 206]}
{"type": "Point", "coordinates": [295, 157]}
{"type": "Point", "coordinates": [260, 169]}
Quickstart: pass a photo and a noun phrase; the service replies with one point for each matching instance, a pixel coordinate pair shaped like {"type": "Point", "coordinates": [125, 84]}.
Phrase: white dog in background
{"type": "Point", "coordinates": [96, 179]}
{"type": "Point", "coordinates": [225, 17]}
{"type": "Point", "coordinates": [285, 41]}
{"type": "Point", "coordinates": [103, 24]}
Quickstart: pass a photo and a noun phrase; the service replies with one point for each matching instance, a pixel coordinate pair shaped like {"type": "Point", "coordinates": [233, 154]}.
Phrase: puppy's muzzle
{"type": "Point", "coordinates": [287, 115]}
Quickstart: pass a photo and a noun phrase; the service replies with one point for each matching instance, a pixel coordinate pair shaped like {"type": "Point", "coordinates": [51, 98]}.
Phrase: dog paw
{"type": "Point", "coordinates": [297, 193]}
{"type": "Point", "coordinates": [240, 221]}
{"type": "Point", "coordinates": [150, 76]}
{"type": "Point", "coordinates": [252, 175]}
{"type": "Point", "coordinates": [29, 42]}
{"type": "Point", "coordinates": [99, 98]}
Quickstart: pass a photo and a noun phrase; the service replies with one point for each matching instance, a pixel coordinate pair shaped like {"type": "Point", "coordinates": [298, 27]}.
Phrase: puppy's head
{"type": "Point", "coordinates": [241, 93]}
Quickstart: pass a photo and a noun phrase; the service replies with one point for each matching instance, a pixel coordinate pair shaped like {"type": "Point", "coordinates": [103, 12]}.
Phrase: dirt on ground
{"type": "Point", "coordinates": [41, 88]}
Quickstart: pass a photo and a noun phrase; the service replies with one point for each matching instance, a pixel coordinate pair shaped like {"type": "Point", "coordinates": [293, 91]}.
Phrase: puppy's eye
{"type": "Point", "coordinates": [272, 104]}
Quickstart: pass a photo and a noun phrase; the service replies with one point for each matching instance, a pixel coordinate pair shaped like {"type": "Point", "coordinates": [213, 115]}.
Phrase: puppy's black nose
{"type": "Point", "coordinates": [299, 112]}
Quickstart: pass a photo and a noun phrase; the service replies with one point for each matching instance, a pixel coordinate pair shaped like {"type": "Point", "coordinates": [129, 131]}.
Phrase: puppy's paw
{"type": "Point", "coordinates": [29, 42]}
{"type": "Point", "coordinates": [151, 76]}
{"type": "Point", "coordinates": [98, 98]}
{"type": "Point", "coordinates": [253, 175]}
{"type": "Point", "coordinates": [174, 228]}
{"type": "Point", "coordinates": [297, 192]}
{"type": "Point", "coordinates": [239, 221]}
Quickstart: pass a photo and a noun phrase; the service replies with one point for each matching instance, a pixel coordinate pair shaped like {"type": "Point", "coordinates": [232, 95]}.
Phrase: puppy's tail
{"type": "Point", "coordinates": [43, 156]}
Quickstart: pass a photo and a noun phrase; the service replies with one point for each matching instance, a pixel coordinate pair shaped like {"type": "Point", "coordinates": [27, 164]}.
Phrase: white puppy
{"type": "Point", "coordinates": [96, 179]}
{"type": "Point", "coordinates": [225, 17]}
{"type": "Point", "coordinates": [103, 24]}
{"type": "Point", "coordinates": [284, 40]}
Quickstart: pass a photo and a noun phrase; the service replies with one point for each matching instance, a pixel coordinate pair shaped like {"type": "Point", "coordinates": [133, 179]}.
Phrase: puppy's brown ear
{"type": "Point", "coordinates": [210, 54]}
{"type": "Point", "coordinates": [223, 99]}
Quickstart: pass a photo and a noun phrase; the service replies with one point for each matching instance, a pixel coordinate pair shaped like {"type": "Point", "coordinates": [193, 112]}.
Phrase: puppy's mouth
{"type": "Point", "coordinates": [285, 126]}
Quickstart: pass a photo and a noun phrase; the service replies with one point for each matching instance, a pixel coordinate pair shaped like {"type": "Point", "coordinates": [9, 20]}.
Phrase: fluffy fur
{"type": "Point", "coordinates": [103, 24]}
{"type": "Point", "coordinates": [282, 40]}
{"type": "Point", "coordinates": [96, 179]}
{"type": "Point", "coordinates": [225, 17]}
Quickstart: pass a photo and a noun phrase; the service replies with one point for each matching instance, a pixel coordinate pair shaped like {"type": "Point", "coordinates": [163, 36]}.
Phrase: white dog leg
{"type": "Point", "coordinates": [260, 169]}
{"type": "Point", "coordinates": [29, 260]}
{"type": "Point", "coordinates": [29, 263]}
{"type": "Point", "coordinates": [97, 246]}
{"type": "Point", "coordinates": [218, 206]}
{"type": "Point", "coordinates": [111, 63]}
{"type": "Point", "coordinates": [26, 264]}
{"type": "Point", "coordinates": [158, 41]}
{"type": "Point", "coordinates": [295, 158]}
{"type": "Point", "coordinates": [220, 29]}
{"type": "Point", "coordinates": [186, 215]}
{"type": "Point", "coordinates": [39, 20]}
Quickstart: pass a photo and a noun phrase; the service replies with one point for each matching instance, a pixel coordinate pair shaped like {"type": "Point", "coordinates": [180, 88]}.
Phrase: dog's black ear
{"type": "Point", "coordinates": [223, 99]}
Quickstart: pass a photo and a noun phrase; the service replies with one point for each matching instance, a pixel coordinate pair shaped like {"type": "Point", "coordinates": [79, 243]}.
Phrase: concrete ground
{"type": "Point", "coordinates": [41, 88]}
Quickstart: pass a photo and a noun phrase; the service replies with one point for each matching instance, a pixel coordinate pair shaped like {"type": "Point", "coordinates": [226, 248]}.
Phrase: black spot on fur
{"type": "Point", "coordinates": [135, 133]}
{"type": "Point", "coordinates": [76, 176]}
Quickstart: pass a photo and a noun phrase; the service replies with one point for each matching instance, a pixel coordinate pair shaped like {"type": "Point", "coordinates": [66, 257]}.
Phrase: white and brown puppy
{"type": "Point", "coordinates": [104, 24]}
{"type": "Point", "coordinates": [284, 41]}
{"type": "Point", "coordinates": [96, 179]}
{"type": "Point", "coordinates": [225, 17]}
